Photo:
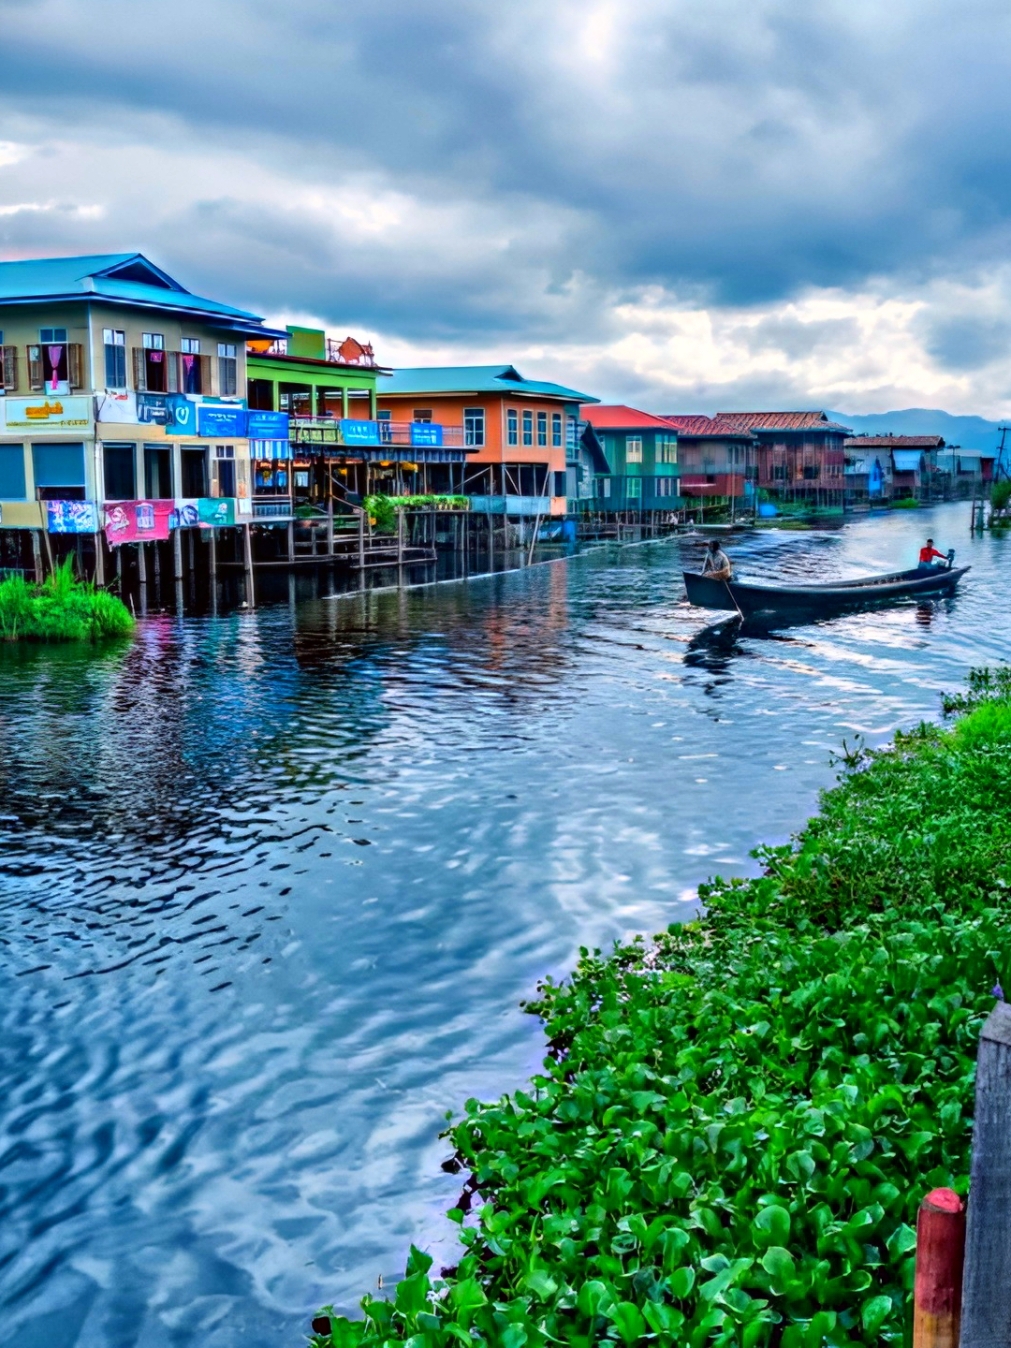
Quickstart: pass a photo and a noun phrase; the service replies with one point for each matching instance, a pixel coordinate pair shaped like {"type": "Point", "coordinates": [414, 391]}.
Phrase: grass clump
{"type": "Point", "coordinates": [735, 1123]}
{"type": "Point", "coordinates": [62, 608]}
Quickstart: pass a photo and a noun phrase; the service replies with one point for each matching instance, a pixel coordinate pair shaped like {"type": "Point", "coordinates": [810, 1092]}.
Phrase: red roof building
{"type": "Point", "coordinates": [800, 454]}
{"type": "Point", "coordinates": [716, 457]}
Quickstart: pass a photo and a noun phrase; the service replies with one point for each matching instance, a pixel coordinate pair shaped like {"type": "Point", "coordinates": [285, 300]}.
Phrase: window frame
{"type": "Point", "coordinates": [528, 428]}
{"type": "Point", "coordinates": [556, 430]}
{"type": "Point", "coordinates": [474, 427]}
{"type": "Point", "coordinates": [633, 449]}
{"type": "Point", "coordinates": [542, 430]}
{"type": "Point", "coordinates": [512, 426]}
{"type": "Point", "coordinates": [117, 351]}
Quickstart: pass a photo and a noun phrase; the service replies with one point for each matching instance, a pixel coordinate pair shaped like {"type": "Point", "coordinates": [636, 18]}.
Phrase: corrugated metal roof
{"type": "Point", "coordinates": [782, 421]}
{"type": "Point", "coordinates": [618, 417]}
{"type": "Point", "coordinates": [502, 379]}
{"type": "Point", "coordinates": [706, 428]}
{"type": "Point", "coordinates": [895, 442]}
{"type": "Point", "coordinates": [122, 278]}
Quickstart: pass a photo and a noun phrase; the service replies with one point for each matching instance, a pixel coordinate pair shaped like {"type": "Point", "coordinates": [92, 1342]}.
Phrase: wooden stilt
{"type": "Point", "coordinates": [248, 547]}
{"type": "Point", "coordinates": [291, 540]}
{"type": "Point", "coordinates": [177, 553]}
{"type": "Point", "coordinates": [37, 556]}
{"type": "Point", "coordinates": [940, 1252]}
{"type": "Point", "coordinates": [99, 561]}
{"type": "Point", "coordinates": [213, 563]}
{"type": "Point", "coordinates": [361, 540]}
{"type": "Point", "coordinates": [329, 527]}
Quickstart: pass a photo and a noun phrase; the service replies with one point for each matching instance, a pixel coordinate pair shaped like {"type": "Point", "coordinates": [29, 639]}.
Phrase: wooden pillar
{"type": "Point", "coordinates": [99, 560]}
{"type": "Point", "coordinates": [177, 553]}
{"type": "Point", "coordinates": [986, 1287]}
{"type": "Point", "coordinates": [190, 558]}
{"type": "Point", "coordinates": [247, 542]}
{"type": "Point", "coordinates": [213, 563]}
{"type": "Point", "coordinates": [141, 564]}
{"type": "Point", "coordinates": [37, 556]}
{"type": "Point", "coordinates": [291, 540]}
{"type": "Point", "coordinates": [940, 1251]}
{"type": "Point", "coordinates": [361, 539]}
{"type": "Point", "coordinates": [400, 545]}
{"type": "Point", "coordinates": [329, 527]}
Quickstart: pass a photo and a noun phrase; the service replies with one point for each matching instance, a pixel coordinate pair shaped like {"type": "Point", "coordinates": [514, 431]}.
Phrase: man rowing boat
{"type": "Point", "coordinates": [717, 564]}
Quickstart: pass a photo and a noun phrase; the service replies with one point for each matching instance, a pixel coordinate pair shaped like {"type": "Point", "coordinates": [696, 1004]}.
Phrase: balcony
{"type": "Point", "coordinates": [355, 433]}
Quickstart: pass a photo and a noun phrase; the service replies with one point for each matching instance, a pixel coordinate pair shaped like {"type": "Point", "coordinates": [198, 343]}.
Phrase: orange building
{"type": "Point", "coordinates": [521, 436]}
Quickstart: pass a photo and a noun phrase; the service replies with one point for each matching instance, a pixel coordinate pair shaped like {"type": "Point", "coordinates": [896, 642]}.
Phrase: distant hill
{"type": "Point", "coordinates": [968, 432]}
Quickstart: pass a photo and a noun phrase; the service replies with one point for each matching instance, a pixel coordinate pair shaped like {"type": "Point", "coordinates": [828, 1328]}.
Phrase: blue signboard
{"type": "Point", "coordinates": [354, 432]}
{"type": "Point", "coordinates": [268, 425]}
{"type": "Point", "coordinates": [221, 419]}
{"type": "Point", "coordinates": [72, 517]}
{"type": "Point", "coordinates": [426, 433]}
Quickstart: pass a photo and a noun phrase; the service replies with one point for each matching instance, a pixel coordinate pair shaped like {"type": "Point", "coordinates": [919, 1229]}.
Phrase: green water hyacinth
{"type": "Point", "coordinates": [736, 1122]}
{"type": "Point", "coordinates": [62, 608]}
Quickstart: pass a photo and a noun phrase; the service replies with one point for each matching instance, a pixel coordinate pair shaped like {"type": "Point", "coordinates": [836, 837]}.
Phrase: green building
{"type": "Point", "coordinates": [642, 460]}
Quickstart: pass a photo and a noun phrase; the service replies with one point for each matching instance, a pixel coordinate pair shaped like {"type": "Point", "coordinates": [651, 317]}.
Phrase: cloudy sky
{"type": "Point", "coordinates": [685, 205]}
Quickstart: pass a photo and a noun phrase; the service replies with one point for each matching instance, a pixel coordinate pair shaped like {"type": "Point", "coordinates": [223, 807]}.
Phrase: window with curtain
{"type": "Point", "coordinates": [115, 358]}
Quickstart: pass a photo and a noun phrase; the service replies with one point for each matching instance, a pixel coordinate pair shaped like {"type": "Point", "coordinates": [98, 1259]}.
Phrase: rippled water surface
{"type": "Point", "coordinates": [273, 884]}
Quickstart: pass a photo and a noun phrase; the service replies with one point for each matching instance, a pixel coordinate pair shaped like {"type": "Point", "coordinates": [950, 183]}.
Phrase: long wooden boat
{"type": "Point", "coordinates": [751, 599]}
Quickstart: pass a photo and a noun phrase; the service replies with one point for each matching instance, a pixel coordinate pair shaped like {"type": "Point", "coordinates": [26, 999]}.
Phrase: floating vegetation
{"type": "Point", "coordinates": [736, 1123]}
{"type": "Point", "coordinates": [62, 608]}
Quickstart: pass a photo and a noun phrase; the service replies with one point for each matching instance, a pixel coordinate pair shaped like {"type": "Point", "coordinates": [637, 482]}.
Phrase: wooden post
{"type": "Point", "coordinates": [986, 1287]}
{"type": "Point", "coordinates": [400, 538]}
{"type": "Point", "coordinates": [940, 1252]}
{"type": "Point", "coordinates": [329, 527]}
{"type": "Point", "coordinates": [291, 540]}
{"type": "Point", "coordinates": [248, 547]}
{"type": "Point", "coordinates": [141, 564]}
{"type": "Point", "coordinates": [37, 556]}
{"type": "Point", "coordinates": [361, 540]}
{"type": "Point", "coordinates": [99, 561]}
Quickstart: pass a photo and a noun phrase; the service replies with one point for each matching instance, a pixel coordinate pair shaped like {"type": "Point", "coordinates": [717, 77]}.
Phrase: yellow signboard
{"type": "Point", "coordinates": [45, 412]}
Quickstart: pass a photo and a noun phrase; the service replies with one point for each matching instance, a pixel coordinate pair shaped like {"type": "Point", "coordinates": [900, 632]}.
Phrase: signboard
{"type": "Point", "coordinates": [45, 413]}
{"type": "Point", "coordinates": [174, 411]}
{"type": "Point", "coordinates": [268, 425]}
{"type": "Point", "coordinates": [71, 517]}
{"type": "Point", "coordinates": [204, 512]}
{"type": "Point", "coordinates": [354, 432]}
{"type": "Point", "coordinates": [426, 433]}
{"type": "Point", "coordinates": [270, 449]}
{"type": "Point", "coordinates": [221, 419]}
{"type": "Point", "coordinates": [137, 521]}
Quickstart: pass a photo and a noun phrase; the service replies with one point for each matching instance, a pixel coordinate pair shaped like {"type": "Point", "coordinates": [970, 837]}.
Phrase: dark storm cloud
{"type": "Point", "coordinates": [728, 152]}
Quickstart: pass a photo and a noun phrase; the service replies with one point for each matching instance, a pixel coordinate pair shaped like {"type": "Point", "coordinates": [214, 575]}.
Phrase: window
{"type": "Point", "coordinates": [665, 486]}
{"type": "Point", "coordinates": [473, 426]}
{"type": "Point", "coordinates": [224, 456]}
{"type": "Point", "coordinates": [633, 487]}
{"type": "Point", "coordinates": [120, 464]}
{"type": "Point", "coordinates": [604, 483]}
{"type": "Point", "coordinates": [633, 449]}
{"type": "Point", "coordinates": [193, 461]}
{"type": "Point", "coordinates": [542, 429]}
{"type": "Point", "coordinates": [52, 336]}
{"type": "Point", "coordinates": [666, 448]}
{"type": "Point", "coordinates": [115, 364]}
{"type": "Point", "coordinates": [12, 473]}
{"type": "Point", "coordinates": [528, 428]}
{"type": "Point", "coordinates": [191, 345]}
{"type": "Point", "coordinates": [556, 430]}
{"type": "Point", "coordinates": [150, 367]}
{"type": "Point", "coordinates": [512, 427]}
{"type": "Point", "coordinates": [561, 482]}
{"type": "Point", "coordinates": [59, 471]}
{"type": "Point", "coordinates": [158, 472]}
{"type": "Point", "coordinates": [423, 415]}
{"type": "Point", "coordinates": [49, 363]}
{"type": "Point", "coordinates": [190, 373]}
{"type": "Point", "coordinates": [228, 370]}
{"type": "Point", "coordinates": [261, 395]}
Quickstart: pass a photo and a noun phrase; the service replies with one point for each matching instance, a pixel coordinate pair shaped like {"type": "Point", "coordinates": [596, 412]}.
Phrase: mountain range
{"type": "Point", "coordinates": [967, 432]}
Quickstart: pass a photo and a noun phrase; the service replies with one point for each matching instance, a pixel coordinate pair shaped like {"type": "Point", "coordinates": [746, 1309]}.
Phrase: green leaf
{"type": "Point", "coordinates": [595, 1297]}
{"type": "Point", "coordinates": [540, 1282]}
{"type": "Point", "coordinates": [412, 1294]}
{"type": "Point", "coordinates": [418, 1261]}
{"type": "Point", "coordinates": [874, 1313]}
{"type": "Point", "coordinates": [628, 1321]}
{"type": "Point", "coordinates": [681, 1282]}
{"type": "Point", "coordinates": [771, 1227]}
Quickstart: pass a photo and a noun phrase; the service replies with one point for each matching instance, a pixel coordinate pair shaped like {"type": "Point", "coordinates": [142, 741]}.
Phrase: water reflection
{"type": "Point", "coordinates": [272, 885]}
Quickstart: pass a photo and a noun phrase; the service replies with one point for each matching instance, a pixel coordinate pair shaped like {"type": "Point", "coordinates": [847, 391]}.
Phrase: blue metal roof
{"type": "Point", "coordinates": [120, 278]}
{"type": "Point", "coordinates": [504, 379]}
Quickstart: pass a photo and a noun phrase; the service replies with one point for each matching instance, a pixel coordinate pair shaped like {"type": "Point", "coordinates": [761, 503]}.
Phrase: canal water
{"type": "Point", "coordinates": [273, 884]}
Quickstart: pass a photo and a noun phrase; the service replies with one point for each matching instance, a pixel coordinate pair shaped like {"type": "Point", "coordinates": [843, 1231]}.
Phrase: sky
{"type": "Point", "coordinates": [686, 206]}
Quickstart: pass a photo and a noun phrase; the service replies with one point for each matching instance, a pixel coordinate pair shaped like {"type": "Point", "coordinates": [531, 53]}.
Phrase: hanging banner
{"type": "Point", "coordinates": [355, 432]}
{"type": "Point", "coordinates": [204, 512]}
{"type": "Point", "coordinates": [268, 425]}
{"type": "Point", "coordinates": [426, 433]}
{"type": "Point", "coordinates": [226, 420]}
{"type": "Point", "coordinates": [137, 521]}
{"type": "Point", "coordinates": [71, 517]}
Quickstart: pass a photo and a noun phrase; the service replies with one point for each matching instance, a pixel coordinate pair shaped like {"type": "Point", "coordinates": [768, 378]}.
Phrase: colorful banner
{"type": "Point", "coordinates": [426, 433]}
{"type": "Point", "coordinates": [270, 449]}
{"type": "Point", "coordinates": [227, 420]}
{"type": "Point", "coordinates": [71, 517]}
{"type": "Point", "coordinates": [354, 432]}
{"type": "Point", "coordinates": [137, 521]}
{"type": "Point", "coordinates": [204, 512]}
{"type": "Point", "coordinates": [44, 413]}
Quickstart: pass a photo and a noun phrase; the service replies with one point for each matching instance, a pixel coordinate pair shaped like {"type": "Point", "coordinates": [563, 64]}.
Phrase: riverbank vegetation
{"type": "Point", "coordinates": [736, 1122]}
{"type": "Point", "coordinates": [382, 510]}
{"type": "Point", "coordinates": [62, 608]}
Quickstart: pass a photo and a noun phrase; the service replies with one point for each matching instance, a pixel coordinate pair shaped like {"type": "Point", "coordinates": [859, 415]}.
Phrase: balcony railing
{"type": "Point", "coordinates": [415, 434]}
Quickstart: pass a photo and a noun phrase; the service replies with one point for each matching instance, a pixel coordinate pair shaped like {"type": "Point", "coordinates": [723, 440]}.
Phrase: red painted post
{"type": "Point", "coordinates": [940, 1254]}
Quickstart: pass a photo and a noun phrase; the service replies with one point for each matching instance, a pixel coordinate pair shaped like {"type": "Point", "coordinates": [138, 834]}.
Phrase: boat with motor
{"type": "Point", "coordinates": [760, 599]}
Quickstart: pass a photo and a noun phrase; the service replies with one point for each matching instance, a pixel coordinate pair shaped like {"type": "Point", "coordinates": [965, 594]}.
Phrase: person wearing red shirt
{"type": "Point", "coordinates": [928, 554]}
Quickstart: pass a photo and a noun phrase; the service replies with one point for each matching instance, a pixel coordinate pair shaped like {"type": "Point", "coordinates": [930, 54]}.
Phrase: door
{"type": "Point", "coordinates": [194, 470]}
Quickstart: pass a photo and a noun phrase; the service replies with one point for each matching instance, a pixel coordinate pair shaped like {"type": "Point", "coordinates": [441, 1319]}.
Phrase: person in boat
{"type": "Point", "coordinates": [927, 555]}
{"type": "Point", "coordinates": [717, 564]}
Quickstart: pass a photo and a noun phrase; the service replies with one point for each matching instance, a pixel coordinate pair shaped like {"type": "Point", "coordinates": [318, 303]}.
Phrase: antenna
{"type": "Point", "coordinates": [1002, 468]}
